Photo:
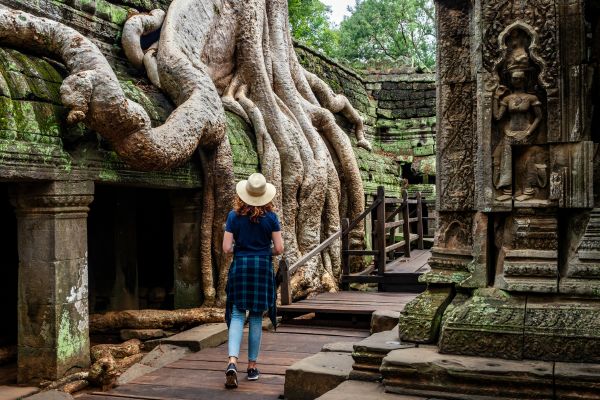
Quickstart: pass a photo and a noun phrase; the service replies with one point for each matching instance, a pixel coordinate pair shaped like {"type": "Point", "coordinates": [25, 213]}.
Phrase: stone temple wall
{"type": "Point", "coordinates": [399, 113]}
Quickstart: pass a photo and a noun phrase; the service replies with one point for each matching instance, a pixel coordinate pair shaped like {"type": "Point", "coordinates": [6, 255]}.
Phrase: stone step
{"type": "Point", "coordinates": [369, 353]}
{"type": "Point", "coordinates": [314, 376]}
{"type": "Point", "coordinates": [196, 339]}
{"type": "Point", "coordinates": [384, 320]}
{"type": "Point", "coordinates": [157, 358]}
{"type": "Point", "coordinates": [358, 390]}
{"type": "Point", "coordinates": [339, 347]}
{"type": "Point", "coordinates": [424, 372]}
{"type": "Point", "coordinates": [167, 350]}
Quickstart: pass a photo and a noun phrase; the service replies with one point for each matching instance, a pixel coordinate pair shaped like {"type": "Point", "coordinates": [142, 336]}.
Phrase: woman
{"type": "Point", "coordinates": [254, 228]}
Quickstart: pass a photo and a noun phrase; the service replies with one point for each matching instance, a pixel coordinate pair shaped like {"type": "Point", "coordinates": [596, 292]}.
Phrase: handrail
{"type": "Point", "coordinates": [380, 249]}
{"type": "Point", "coordinates": [325, 244]}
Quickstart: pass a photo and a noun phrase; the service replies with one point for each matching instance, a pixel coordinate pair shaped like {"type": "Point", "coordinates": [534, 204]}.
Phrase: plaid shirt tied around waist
{"type": "Point", "coordinates": [251, 286]}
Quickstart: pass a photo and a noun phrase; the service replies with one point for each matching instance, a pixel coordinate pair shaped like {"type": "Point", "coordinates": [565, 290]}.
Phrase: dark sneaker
{"type": "Point", "coordinates": [231, 377]}
{"type": "Point", "coordinates": [253, 374]}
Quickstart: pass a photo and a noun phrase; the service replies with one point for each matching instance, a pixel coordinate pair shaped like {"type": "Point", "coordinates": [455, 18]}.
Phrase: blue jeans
{"type": "Point", "coordinates": [236, 330]}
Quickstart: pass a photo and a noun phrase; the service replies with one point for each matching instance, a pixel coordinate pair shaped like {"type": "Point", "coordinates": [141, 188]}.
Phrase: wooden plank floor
{"type": "Point", "coordinates": [416, 264]}
{"type": "Point", "coordinates": [353, 302]}
{"type": "Point", "coordinates": [200, 376]}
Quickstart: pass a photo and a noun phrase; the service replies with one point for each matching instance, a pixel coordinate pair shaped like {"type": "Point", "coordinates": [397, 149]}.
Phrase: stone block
{"type": "Point", "coordinates": [338, 347]}
{"type": "Point", "coordinates": [355, 390]}
{"type": "Point", "coordinates": [314, 376]}
{"type": "Point", "coordinates": [577, 381]}
{"type": "Point", "coordinates": [369, 353]}
{"type": "Point", "coordinates": [384, 320]}
{"type": "Point", "coordinates": [425, 372]}
{"type": "Point", "coordinates": [420, 320]}
{"type": "Point", "coordinates": [157, 358]}
{"type": "Point", "coordinates": [196, 339]}
{"type": "Point", "coordinates": [562, 329]}
{"type": "Point", "coordinates": [489, 324]}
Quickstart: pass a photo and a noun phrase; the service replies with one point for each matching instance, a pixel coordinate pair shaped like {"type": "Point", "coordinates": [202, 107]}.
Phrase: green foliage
{"type": "Point", "coordinates": [310, 24]}
{"type": "Point", "coordinates": [389, 32]}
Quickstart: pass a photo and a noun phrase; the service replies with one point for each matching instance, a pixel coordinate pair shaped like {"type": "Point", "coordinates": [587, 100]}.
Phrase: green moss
{"type": "Point", "coordinates": [243, 147]}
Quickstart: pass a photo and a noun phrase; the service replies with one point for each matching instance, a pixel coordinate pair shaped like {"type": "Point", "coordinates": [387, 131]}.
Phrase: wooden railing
{"type": "Point", "coordinates": [383, 248]}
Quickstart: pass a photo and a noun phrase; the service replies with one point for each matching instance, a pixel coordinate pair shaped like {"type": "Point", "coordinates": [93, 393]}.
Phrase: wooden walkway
{"type": "Point", "coordinates": [353, 303]}
{"type": "Point", "coordinates": [200, 376]}
{"type": "Point", "coordinates": [416, 264]}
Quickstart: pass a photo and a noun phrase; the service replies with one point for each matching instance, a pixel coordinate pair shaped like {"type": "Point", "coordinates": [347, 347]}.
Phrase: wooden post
{"type": "Point", "coordinates": [374, 227]}
{"type": "Point", "coordinates": [381, 259]}
{"type": "Point", "coordinates": [286, 294]}
{"type": "Point", "coordinates": [406, 225]}
{"type": "Point", "coordinates": [420, 220]}
{"type": "Point", "coordinates": [345, 255]}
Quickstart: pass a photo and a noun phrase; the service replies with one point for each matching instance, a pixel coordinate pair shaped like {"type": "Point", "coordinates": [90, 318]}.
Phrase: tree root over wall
{"type": "Point", "coordinates": [214, 55]}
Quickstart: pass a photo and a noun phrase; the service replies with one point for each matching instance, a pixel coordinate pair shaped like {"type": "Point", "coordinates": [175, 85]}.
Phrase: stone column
{"type": "Point", "coordinates": [53, 278]}
{"type": "Point", "coordinates": [187, 215]}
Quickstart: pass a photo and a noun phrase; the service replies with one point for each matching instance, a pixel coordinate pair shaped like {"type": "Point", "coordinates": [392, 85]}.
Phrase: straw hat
{"type": "Point", "coordinates": [255, 191]}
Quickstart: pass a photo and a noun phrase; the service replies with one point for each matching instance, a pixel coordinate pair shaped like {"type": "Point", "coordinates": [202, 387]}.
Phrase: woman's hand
{"type": "Point", "coordinates": [277, 243]}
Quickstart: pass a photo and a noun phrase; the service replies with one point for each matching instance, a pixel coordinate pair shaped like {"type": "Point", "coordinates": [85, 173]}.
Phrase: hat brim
{"type": "Point", "coordinates": [256, 201]}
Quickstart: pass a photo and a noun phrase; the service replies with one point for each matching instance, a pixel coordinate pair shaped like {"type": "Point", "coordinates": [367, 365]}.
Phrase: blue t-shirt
{"type": "Point", "coordinates": [252, 239]}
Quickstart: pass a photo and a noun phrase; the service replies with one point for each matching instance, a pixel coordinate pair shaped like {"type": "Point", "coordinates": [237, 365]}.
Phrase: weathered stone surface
{"type": "Point", "coordinates": [314, 376]}
{"type": "Point", "coordinates": [384, 320]}
{"type": "Point", "coordinates": [338, 347]}
{"type": "Point", "coordinates": [369, 352]}
{"type": "Point", "coordinates": [489, 324]}
{"type": "Point", "coordinates": [196, 339]}
{"type": "Point", "coordinates": [528, 259]}
{"type": "Point", "coordinates": [581, 275]}
{"type": "Point", "coordinates": [356, 390]}
{"type": "Point", "coordinates": [53, 278]}
{"type": "Point", "coordinates": [155, 359]}
{"type": "Point", "coordinates": [424, 372]}
{"type": "Point", "coordinates": [420, 320]}
{"type": "Point", "coordinates": [577, 381]}
{"type": "Point", "coordinates": [562, 329]}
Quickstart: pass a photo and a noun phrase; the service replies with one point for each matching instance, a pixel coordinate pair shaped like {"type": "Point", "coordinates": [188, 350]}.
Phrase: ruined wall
{"type": "Point", "coordinates": [399, 113]}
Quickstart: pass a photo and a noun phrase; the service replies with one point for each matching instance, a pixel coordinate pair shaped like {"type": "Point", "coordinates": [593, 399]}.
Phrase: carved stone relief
{"type": "Point", "coordinates": [519, 172]}
{"type": "Point", "coordinates": [456, 90]}
{"type": "Point", "coordinates": [528, 256]}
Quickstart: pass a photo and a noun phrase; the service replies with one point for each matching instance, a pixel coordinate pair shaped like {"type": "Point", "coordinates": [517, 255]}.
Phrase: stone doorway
{"type": "Point", "coordinates": [9, 263]}
{"type": "Point", "coordinates": [130, 241]}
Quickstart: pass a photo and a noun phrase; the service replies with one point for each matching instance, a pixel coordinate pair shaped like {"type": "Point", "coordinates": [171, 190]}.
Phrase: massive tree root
{"type": "Point", "coordinates": [214, 55]}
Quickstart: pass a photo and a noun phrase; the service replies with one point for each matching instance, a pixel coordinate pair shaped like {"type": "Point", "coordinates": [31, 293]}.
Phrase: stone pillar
{"type": "Point", "coordinates": [187, 215]}
{"type": "Point", "coordinates": [53, 278]}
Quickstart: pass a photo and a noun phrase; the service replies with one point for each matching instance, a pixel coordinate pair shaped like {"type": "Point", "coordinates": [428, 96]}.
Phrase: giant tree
{"type": "Point", "coordinates": [212, 56]}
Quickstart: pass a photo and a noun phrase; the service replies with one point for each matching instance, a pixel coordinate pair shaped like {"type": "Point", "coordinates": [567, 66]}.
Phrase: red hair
{"type": "Point", "coordinates": [254, 212]}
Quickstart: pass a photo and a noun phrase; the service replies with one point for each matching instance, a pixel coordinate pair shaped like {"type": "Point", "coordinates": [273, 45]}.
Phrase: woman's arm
{"type": "Point", "coordinates": [228, 242]}
{"type": "Point", "coordinates": [277, 243]}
